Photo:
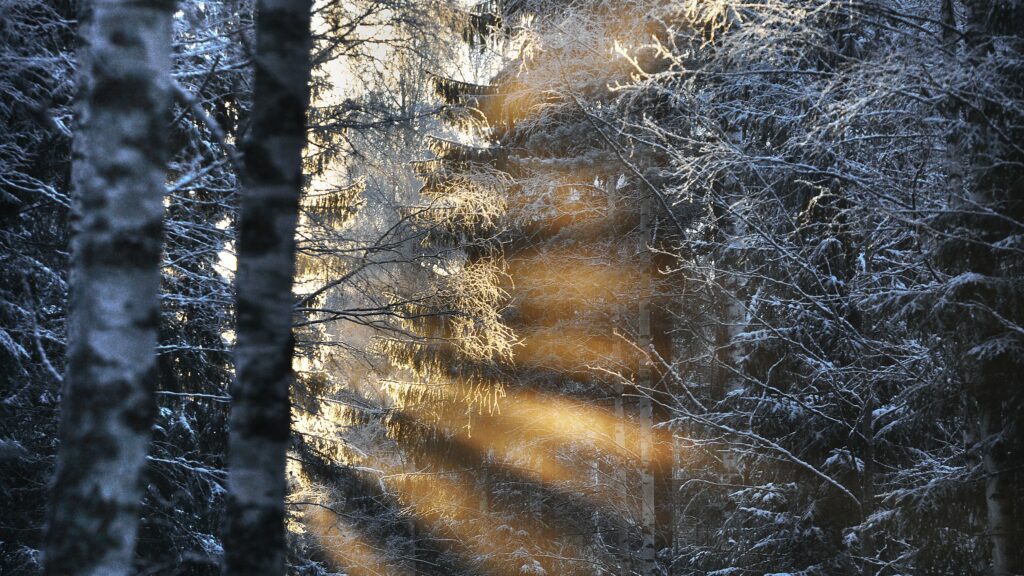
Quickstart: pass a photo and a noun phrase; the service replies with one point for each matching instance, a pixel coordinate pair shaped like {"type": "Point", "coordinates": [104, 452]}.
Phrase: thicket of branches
{"type": "Point", "coordinates": [836, 217]}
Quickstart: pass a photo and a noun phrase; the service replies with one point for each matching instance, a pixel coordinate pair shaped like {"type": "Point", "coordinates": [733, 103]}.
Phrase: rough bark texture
{"type": "Point", "coordinates": [985, 224]}
{"type": "Point", "coordinates": [118, 171]}
{"type": "Point", "coordinates": [255, 534]}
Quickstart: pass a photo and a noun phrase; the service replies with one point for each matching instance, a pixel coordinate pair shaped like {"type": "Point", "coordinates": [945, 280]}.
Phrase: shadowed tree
{"type": "Point", "coordinates": [979, 303]}
{"type": "Point", "coordinates": [38, 89]}
{"type": "Point", "coordinates": [272, 182]}
{"type": "Point", "coordinates": [118, 172]}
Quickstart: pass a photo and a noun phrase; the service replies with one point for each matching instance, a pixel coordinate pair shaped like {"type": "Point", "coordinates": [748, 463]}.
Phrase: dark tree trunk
{"type": "Point", "coordinates": [255, 534]}
{"type": "Point", "coordinates": [662, 318]}
{"type": "Point", "coordinates": [646, 391]}
{"type": "Point", "coordinates": [118, 172]}
{"type": "Point", "coordinates": [983, 312]}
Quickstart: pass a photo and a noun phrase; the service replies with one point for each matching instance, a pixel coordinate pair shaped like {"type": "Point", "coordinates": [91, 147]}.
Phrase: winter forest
{"type": "Point", "coordinates": [512, 287]}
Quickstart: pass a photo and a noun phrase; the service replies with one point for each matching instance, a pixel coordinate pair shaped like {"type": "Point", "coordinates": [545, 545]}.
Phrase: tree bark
{"type": "Point", "coordinates": [990, 198]}
{"type": "Point", "coordinates": [118, 177]}
{"type": "Point", "coordinates": [621, 544]}
{"type": "Point", "coordinates": [645, 389]}
{"type": "Point", "coordinates": [662, 316]}
{"type": "Point", "coordinates": [260, 420]}
{"type": "Point", "coordinates": [998, 489]}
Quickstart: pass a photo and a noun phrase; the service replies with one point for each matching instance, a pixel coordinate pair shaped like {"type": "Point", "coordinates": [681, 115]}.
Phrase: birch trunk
{"type": "Point", "coordinates": [118, 174]}
{"type": "Point", "coordinates": [998, 489]}
{"type": "Point", "coordinates": [260, 420]}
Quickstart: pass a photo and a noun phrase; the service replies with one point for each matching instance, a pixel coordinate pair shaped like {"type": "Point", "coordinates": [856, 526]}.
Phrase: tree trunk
{"type": "Point", "coordinates": [620, 536]}
{"type": "Point", "coordinates": [484, 483]}
{"type": "Point", "coordinates": [998, 489]}
{"type": "Point", "coordinates": [118, 173]}
{"type": "Point", "coordinates": [645, 390]}
{"type": "Point", "coordinates": [648, 518]}
{"type": "Point", "coordinates": [255, 535]}
{"type": "Point", "coordinates": [662, 316]}
{"type": "Point", "coordinates": [621, 544]}
{"type": "Point", "coordinates": [990, 199]}
{"type": "Point", "coordinates": [410, 526]}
